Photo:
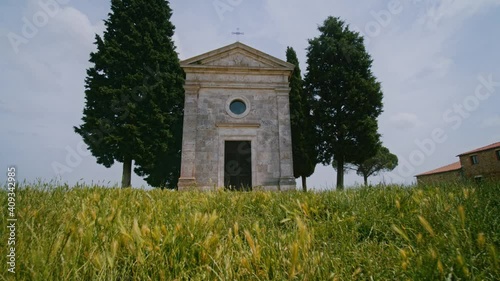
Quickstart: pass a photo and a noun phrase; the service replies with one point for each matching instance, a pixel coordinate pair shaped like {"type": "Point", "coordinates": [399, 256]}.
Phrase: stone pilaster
{"type": "Point", "coordinates": [287, 181]}
{"type": "Point", "coordinates": [188, 162]}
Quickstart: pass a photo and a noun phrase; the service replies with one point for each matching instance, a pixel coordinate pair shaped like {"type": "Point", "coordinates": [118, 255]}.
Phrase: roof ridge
{"type": "Point", "coordinates": [237, 45]}
{"type": "Point", "coordinates": [447, 168]}
{"type": "Point", "coordinates": [487, 147]}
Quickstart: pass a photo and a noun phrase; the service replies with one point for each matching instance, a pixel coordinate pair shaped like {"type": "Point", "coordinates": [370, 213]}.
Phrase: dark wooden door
{"type": "Point", "coordinates": [238, 165]}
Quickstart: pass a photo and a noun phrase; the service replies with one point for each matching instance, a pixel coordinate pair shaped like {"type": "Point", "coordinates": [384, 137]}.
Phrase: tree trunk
{"type": "Point", "coordinates": [304, 184]}
{"type": "Point", "coordinates": [340, 173]}
{"type": "Point", "coordinates": [127, 173]}
{"type": "Point", "coordinates": [365, 177]}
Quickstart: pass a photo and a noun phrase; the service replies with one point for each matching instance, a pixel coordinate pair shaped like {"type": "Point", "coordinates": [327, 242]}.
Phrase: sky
{"type": "Point", "coordinates": [438, 63]}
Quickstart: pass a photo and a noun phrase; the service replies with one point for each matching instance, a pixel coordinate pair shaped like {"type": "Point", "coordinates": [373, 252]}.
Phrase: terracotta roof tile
{"type": "Point", "coordinates": [491, 146]}
{"type": "Point", "coordinates": [447, 168]}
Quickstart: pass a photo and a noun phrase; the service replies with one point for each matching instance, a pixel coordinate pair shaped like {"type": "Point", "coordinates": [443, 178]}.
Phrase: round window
{"type": "Point", "coordinates": [238, 107]}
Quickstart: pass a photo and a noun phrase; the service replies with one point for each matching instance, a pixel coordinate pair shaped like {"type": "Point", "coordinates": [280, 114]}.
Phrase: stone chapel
{"type": "Point", "coordinates": [236, 121]}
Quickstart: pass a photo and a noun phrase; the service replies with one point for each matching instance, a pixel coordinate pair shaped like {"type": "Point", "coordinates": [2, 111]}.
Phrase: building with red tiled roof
{"type": "Point", "coordinates": [479, 164]}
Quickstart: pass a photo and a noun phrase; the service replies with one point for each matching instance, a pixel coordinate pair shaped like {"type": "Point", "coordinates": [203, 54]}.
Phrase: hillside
{"type": "Point", "coordinates": [395, 233]}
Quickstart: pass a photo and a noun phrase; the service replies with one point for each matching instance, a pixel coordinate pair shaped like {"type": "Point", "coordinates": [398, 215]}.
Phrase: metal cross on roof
{"type": "Point", "coordinates": [238, 33]}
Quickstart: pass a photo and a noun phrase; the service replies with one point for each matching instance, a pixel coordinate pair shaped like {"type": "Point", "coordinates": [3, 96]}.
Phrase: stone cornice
{"type": "Point", "coordinates": [251, 86]}
{"type": "Point", "coordinates": [282, 91]}
{"type": "Point", "coordinates": [235, 70]}
{"type": "Point", "coordinates": [237, 125]}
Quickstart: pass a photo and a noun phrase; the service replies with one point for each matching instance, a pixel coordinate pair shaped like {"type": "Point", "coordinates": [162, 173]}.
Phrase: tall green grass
{"type": "Point", "coordinates": [391, 233]}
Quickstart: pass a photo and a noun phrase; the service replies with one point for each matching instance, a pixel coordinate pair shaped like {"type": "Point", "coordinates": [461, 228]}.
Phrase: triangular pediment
{"type": "Point", "coordinates": [238, 58]}
{"type": "Point", "coordinates": [237, 55]}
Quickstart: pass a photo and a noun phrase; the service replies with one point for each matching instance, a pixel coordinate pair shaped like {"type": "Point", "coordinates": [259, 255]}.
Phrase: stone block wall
{"type": "Point", "coordinates": [488, 165]}
{"type": "Point", "coordinates": [445, 177]}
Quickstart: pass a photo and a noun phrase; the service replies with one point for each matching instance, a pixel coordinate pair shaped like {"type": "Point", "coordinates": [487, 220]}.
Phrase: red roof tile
{"type": "Point", "coordinates": [491, 146]}
{"type": "Point", "coordinates": [448, 168]}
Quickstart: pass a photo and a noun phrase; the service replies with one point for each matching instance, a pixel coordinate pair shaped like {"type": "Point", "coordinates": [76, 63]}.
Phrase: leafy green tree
{"type": "Point", "coordinates": [303, 135]}
{"type": "Point", "coordinates": [348, 98]}
{"type": "Point", "coordinates": [384, 160]}
{"type": "Point", "coordinates": [134, 92]}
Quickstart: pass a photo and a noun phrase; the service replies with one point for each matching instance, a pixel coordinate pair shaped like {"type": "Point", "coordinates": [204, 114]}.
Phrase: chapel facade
{"type": "Point", "coordinates": [237, 121]}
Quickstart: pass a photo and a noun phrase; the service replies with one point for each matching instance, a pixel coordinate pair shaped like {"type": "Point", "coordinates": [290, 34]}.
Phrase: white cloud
{"type": "Point", "coordinates": [405, 121]}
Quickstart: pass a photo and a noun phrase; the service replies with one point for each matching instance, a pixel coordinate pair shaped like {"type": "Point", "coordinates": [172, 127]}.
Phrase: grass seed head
{"type": "Point", "coordinates": [420, 238]}
{"type": "Point", "coordinates": [481, 240]}
{"type": "Point", "coordinates": [145, 231]}
{"type": "Point", "coordinates": [402, 252]}
{"type": "Point", "coordinates": [433, 252]}
{"type": "Point", "coordinates": [404, 265]}
{"type": "Point", "coordinates": [461, 212]}
{"type": "Point", "coordinates": [440, 267]}
{"type": "Point", "coordinates": [400, 232]}
{"type": "Point", "coordinates": [236, 229]}
{"type": "Point", "coordinates": [427, 226]}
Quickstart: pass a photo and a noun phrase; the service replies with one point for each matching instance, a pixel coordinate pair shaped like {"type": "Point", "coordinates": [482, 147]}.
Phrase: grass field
{"type": "Point", "coordinates": [391, 233]}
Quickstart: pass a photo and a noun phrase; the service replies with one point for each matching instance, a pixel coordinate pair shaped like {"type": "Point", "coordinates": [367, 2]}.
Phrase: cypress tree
{"type": "Point", "coordinates": [134, 92]}
{"type": "Point", "coordinates": [348, 98]}
{"type": "Point", "coordinates": [303, 135]}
